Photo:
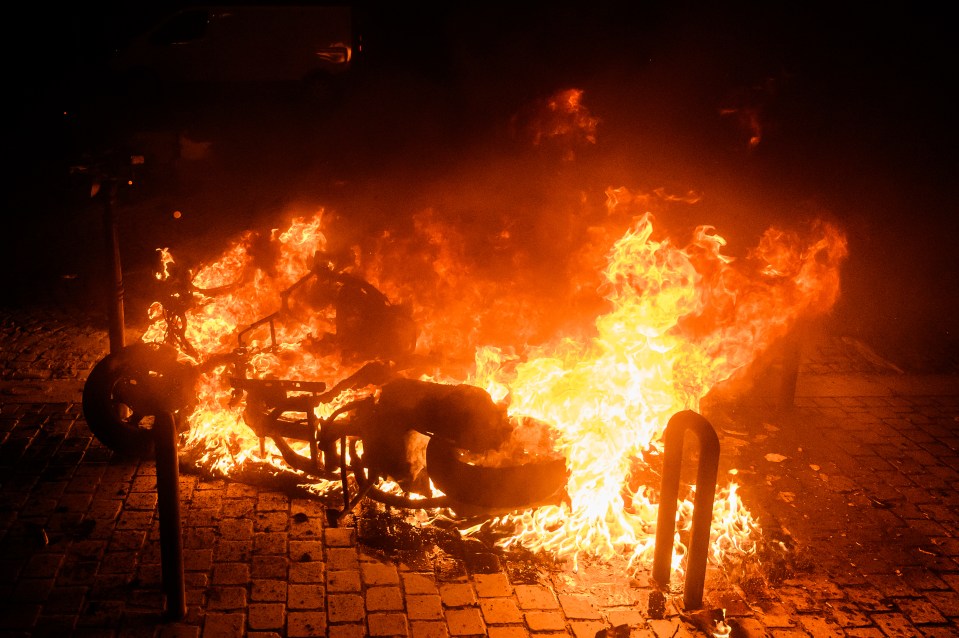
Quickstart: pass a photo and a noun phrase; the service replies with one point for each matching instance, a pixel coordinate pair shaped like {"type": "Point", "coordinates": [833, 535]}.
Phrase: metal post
{"type": "Point", "coordinates": [702, 507]}
{"type": "Point", "coordinates": [790, 370]}
{"type": "Point", "coordinates": [114, 270]}
{"type": "Point", "coordinates": [168, 504]}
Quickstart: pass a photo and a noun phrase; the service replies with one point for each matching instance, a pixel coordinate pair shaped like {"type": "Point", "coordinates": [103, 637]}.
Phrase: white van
{"type": "Point", "coordinates": [241, 44]}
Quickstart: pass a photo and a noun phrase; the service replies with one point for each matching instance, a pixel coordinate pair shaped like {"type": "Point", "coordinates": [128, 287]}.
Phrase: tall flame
{"type": "Point", "coordinates": [682, 320]}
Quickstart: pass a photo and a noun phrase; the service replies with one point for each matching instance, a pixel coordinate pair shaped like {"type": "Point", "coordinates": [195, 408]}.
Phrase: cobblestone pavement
{"type": "Point", "coordinates": [856, 486]}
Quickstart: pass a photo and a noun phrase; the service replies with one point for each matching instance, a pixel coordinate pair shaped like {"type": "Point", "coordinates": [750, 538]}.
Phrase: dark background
{"type": "Point", "coordinates": [856, 100]}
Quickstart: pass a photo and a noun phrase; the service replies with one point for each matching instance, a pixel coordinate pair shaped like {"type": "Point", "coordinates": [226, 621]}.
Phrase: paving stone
{"type": "Point", "coordinates": [535, 597]}
{"type": "Point", "coordinates": [429, 629]}
{"type": "Point", "coordinates": [226, 598]}
{"type": "Point", "coordinates": [414, 583]}
{"type": "Point", "coordinates": [65, 600]}
{"type": "Point", "coordinates": [306, 528]}
{"type": "Point", "coordinates": [266, 616]}
{"type": "Point", "coordinates": [489, 585]}
{"type": "Point", "coordinates": [270, 543]}
{"type": "Point", "coordinates": [306, 623]}
{"type": "Point", "coordinates": [141, 501]}
{"type": "Point", "coordinates": [146, 484]}
{"type": "Point", "coordinates": [632, 618]}
{"type": "Point", "coordinates": [133, 520]}
{"type": "Point", "coordinates": [465, 622]}
{"type": "Point", "coordinates": [847, 616]}
{"type": "Point", "coordinates": [379, 574]}
{"type": "Point", "coordinates": [44, 565]}
{"type": "Point", "coordinates": [892, 585]}
{"type": "Point", "coordinates": [586, 628]}
{"type": "Point", "coordinates": [312, 572]}
{"type": "Point", "coordinates": [578, 607]}
{"type": "Point", "coordinates": [306, 551]}
{"type": "Point", "coordinates": [179, 630]}
{"type": "Point", "coordinates": [236, 529]}
{"type": "Point", "coordinates": [348, 631]}
{"type": "Point", "coordinates": [272, 502]}
{"type": "Point", "coordinates": [343, 581]}
{"type": "Point", "coordinates": [202, 518]}
{"type": "Point", "coordinates": [867, 598]}
{"type": "Point", "coordinates": [305, 596]}
{"type": "Point", "coordinates": [126, 540]}
{"type": "Point", "coordinates": [384, 599]}
{"type": "Point", "coordinates": [946, 602]}
{"type": "Point", "coordinates": [225, 625]}
{"type": "Point", "coordinates": [269, 591]}
{"type": "Point", "coordinates": [199, 537]}
{"type": "Point", "coordinates": [500, 611]}
{"type": "Point", "coordinates": [545, 621]}
{"type": "Point", "coordinates": [271, 522]}
{"type": "Point", "coordinates": [339, 536]}
{"type": "Point", "coordinates": [240, 491]}
{"type": "Point", "coordinates": [269, 567]}
{"type": "Point", "coordinates": [345, 608]}
{"type": "Point", "coordinates": [895, 625]}
{"type": "Point", "coordinates": [234, 508]}
{"type": "Point", "coordinates": [424, 607]}
{"type": "Point", "coordinates": [919, 611]}
{"type": "Point", "coordinates": [200, 560]}
{"type": "Point", "coordinates": [233, 551]}
{"type": "Point", "coordinates": [342, 558]}
{"type": "Point", "coordinates": [457, 594]}
{"type": "Point", "coordinates": [388, 624]}
{"type": "Point", "coordinates": [231, 574]}
{"type": "Point", "coordinates": [820, 627]}
{"type": "Point", "coordinates": [674, 629]}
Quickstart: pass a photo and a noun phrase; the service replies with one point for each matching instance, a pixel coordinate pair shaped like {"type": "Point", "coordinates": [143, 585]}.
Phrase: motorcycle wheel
{"type": "Point", "coordinates": [124, 425]}
{"type": "Point", "coordinates": [494, 489]}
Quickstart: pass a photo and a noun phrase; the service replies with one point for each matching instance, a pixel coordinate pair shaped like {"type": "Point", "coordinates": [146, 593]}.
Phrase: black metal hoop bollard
{"type": "Point", "coordinates": [168, 506]}
{"type": "Point", "coordinates": [706, 475]}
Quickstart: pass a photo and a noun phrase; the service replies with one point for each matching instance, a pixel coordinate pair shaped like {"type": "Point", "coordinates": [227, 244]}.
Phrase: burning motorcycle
{"type": "Point", "coordinates": [396, 438]}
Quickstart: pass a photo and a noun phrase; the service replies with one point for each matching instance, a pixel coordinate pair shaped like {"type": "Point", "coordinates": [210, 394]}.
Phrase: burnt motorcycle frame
{"type": "Point", "coordinates": [127, 389]}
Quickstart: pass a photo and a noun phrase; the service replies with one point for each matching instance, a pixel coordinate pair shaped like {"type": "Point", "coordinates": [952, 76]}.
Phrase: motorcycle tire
{"type": "Point", "coordinates": [494, 488]}
{"type": "Point", "coordinates": [123, 425]}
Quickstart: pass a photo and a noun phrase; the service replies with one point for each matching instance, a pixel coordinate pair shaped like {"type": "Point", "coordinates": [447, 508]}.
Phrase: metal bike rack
{"type": "Point", "coordinates": [706, 474]}
{"type": "Point", "coordinates": [107, 178]}
{"type": "Point", "coordinates": [168, 506]}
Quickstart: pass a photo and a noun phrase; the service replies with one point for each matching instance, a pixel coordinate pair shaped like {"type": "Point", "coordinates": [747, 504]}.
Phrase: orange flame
{"type": "Point", "coordinates": [681, 322]}
{"type": "Point", "coordinates": [676, 322]}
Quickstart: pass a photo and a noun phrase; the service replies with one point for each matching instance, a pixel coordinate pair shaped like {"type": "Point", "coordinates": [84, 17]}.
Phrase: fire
{"type": "Point", "coordinates": [682, 320]}
{"type": "Point", "coordinates": [561, 119]}
{"type": "Point", "coordinates": [665, 323]}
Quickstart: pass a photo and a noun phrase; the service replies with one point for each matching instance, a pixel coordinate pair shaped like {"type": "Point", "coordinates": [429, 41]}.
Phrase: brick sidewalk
{"type": "Point", "coordinates": [857, 484]}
